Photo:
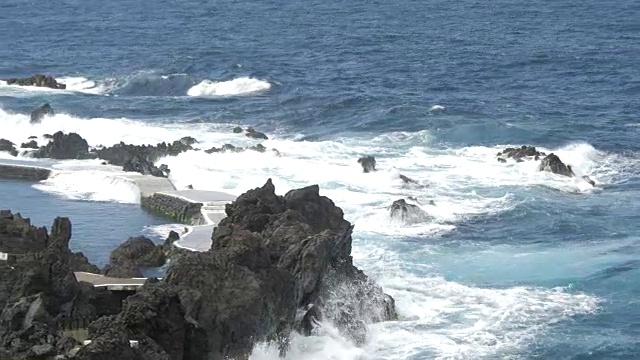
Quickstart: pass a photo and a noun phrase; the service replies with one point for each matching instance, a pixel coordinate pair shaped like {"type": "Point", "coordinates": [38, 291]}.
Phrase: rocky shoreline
{"type": "Point", "coordinates": [277, 265]}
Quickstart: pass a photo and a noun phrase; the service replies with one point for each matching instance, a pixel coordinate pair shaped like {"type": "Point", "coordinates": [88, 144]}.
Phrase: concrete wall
{"type": "Point", "coordinates": [23, 172]}
{"type": "Point", "coordinates": [174, 208]}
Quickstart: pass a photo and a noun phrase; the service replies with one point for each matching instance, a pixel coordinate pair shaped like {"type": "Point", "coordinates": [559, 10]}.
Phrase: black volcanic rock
{"type": "Point", "coordinates": [37, 80]}
{"type": "Point", "coordinates": [237, 130]}
{"type": "Point", "coordinates": [29, 145]}
{"type": "Point", "coordinates": [65, 146]}
{"type": "Point", "coordinates": [552, 163]}
{"type": "Point", "coordinates": [143, 166]}
{"type": "Point", "coordinates": [368, 163]}
{"type": "Point", "coordinates": [252, 133]}
{"type": "Point", "coordinates": [38, 288]}
{"type": "Point", "coordinates": [40, 112]}
{"type": "Point", "coordinates": [127, 259]}
{"type": "Point", "coordinates": [8, 146]}
{"type": "Point", "coordinates": [141, 158]}
{"type": "Point", "coordinates": [520, 153]}
{"type": "Point", "coordinates": [280, 253]}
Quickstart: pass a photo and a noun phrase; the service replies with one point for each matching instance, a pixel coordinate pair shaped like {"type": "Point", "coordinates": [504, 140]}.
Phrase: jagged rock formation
{"type": "Point", "coordinates": [520, 153]}
{"type": "Point", "coordinates": [552, 163]}
{"type": "Point", "coordinates": [38, 289]}
{"type": "Point", "coordinates": [40, 112]}
{"type": "Point", "coordinates": [65, 146]}
{"type": "Point", "coordinates": [231, 148]}
{"type": "Point", "coordinates": [37, 80]}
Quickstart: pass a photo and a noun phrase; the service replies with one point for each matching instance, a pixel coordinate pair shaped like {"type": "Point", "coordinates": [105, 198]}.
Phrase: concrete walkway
{"type": "Point", "coordinates": [113, 284]}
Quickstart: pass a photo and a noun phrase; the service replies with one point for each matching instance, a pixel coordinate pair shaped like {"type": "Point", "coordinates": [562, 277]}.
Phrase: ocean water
{"type": "Point", "coordinates": [516, 264]}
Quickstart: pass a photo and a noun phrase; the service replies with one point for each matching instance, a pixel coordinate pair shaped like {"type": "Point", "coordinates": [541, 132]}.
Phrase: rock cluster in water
{"type": "Point", "coordinates": [37, 80]}
{"type": "Point", "coordinates": [550, 162]}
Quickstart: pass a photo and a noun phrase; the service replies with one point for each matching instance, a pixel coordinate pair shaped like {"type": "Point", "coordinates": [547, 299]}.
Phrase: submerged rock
{"type": "Point", "coordinates": [368, 163]}
{"type": "Point", "coordinates": [40, 112]}
{"type": "Point", "coordinates": [37, 80]}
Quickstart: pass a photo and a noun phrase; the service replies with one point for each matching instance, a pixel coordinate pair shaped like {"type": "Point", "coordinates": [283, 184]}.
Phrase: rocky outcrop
{"type": "Point", "coordinates": [143, 166]}
{"type": "Point", "coordinates": [135, 253]}
{"type": "Point", "coordinates": [29, 145]}
{"type": "Point", "coordinates": [408, 213]}
{"type": "Point", "coordinates": [368, 163]}
{"type": "Point", "coordinates": [271, 256]}
{"type": "Point", "coordinates": [40, 112]}
{"type": "Point", "coordinates": [141, 158]}
{"type": "Point", "coordinates": [8, 146]}
{"type": "Point", "coordinates": [520, 154]}
{"type": "Point", "coordinates": [37, 80]}
{"type": "Point", "coordinates": [65, 146]}
{"type": "Point", "coordinates": [155, 317]}
{"type": "Point", "coordinates": [552, 163]}
{"type": "Point", "coordinates": [175, 208]}
{"type": "Point", "coordinates": [38, 288]}
{"type": "Point", "coordinates": [236, 149]}
{"type": "Point", "coordinates": [252, 133]}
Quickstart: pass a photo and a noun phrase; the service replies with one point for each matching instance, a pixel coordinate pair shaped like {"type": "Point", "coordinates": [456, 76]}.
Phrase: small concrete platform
{"type": "Point", "coordinates": [113, 284]}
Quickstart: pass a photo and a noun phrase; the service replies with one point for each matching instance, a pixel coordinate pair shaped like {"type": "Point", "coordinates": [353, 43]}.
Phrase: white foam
{"type": "Point", "coordinates": [83, 85]}
{"type": "Point", "coordinates": [91, 186]}
{"type": "Point", "coordinates": [239, 86]}
{"type": "Point", "coordinates": [450, 320]}
{"type": "Point", "coordinates": [437, 108]}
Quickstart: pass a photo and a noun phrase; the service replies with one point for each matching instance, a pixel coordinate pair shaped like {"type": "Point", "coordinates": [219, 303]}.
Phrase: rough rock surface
{"type": "Point", "coordinates": [65, 146]}
{"type": "Point", "coordinates": [127, 259]}
{"type": "Point", "coordinates": [232, 148]}
{"type": "Point", "coordinates": [143, 166]}
{"type": "Point", "coordinates": [368, 163]}
{"type": "Point", "coordinates": [29, 145]}
{"type": "Point", "coordinates": [40, 112]}
{"type": "Point", "coordinates": [271, 256]}
{"type": "Point", "coordinates": [37, 80]}
{"type": "Point", "coordinates": [141, 158]}
{"type": "Point", "coordinates": [253, 133]}
{"type": "Point", "coordinates": [407, 213]}
{"type": "Point", "coordinates": [8, 146]}
{"type": "Point", "coordinates": [552, 163]}
{"type": "Point", "coordinates": [520, 153]}
{"type": "Point", "coordinates": [38, 289]}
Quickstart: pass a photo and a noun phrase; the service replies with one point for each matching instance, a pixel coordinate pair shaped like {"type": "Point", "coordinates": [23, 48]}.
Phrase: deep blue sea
{"type": "Point", "coordinates": [516, 263]}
